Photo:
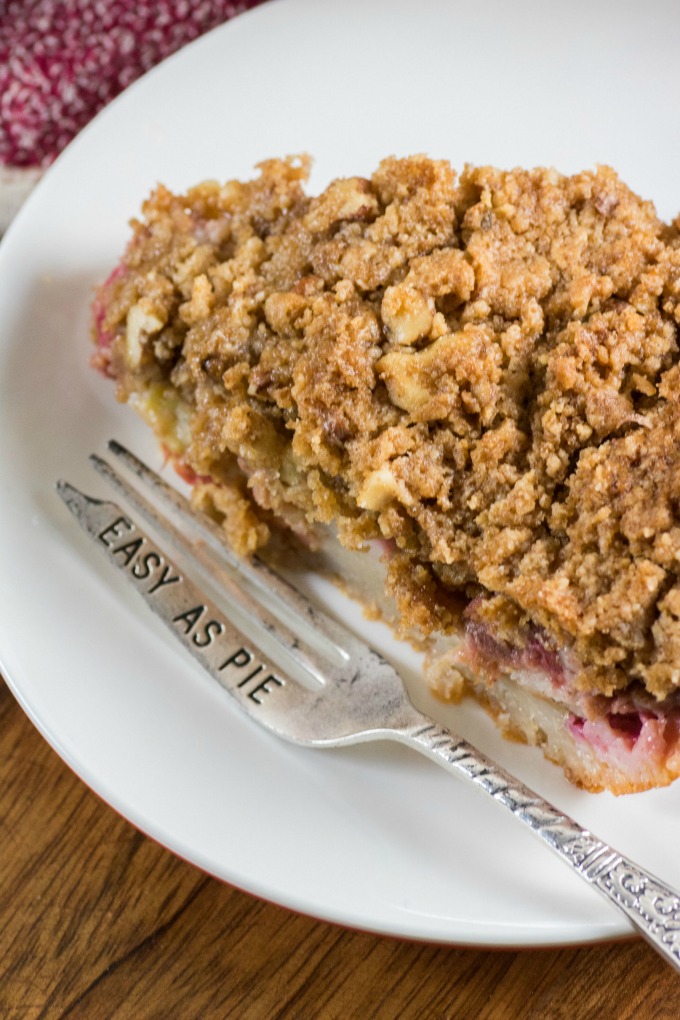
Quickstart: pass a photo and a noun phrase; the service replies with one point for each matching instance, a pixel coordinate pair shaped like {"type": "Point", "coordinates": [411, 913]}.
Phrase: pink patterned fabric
{"type": "Point", "coordinates": [62, 60]}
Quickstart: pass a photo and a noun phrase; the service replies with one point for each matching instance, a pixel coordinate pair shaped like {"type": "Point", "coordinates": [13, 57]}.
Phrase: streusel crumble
{"type": "Point", "coordinates": [481, 373]}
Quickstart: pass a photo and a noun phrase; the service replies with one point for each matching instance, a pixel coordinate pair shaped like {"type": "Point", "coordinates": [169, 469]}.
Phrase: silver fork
{"type": "Point", "coordinates": [316, 684]}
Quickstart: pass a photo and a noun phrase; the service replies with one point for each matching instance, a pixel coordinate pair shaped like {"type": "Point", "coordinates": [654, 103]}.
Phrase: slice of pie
{"type": "Point", "coordinates": [479, 377]}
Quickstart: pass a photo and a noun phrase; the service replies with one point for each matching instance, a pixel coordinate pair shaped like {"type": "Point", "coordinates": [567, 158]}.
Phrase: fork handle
{"type": "Point", "coordinates": [652, 907]}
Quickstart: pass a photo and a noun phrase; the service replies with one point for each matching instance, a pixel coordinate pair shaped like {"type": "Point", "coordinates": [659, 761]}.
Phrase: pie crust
{"type": "Point", "coordinates": [481, 374]}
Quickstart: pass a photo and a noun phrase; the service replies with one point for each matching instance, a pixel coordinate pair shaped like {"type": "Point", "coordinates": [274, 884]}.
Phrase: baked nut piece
{"type": "Point", "coordinates": [477, 374]}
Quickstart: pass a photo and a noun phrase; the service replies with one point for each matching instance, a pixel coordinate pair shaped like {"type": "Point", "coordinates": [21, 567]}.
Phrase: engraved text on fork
{"type": "Point", "coordinates": [133, 552]}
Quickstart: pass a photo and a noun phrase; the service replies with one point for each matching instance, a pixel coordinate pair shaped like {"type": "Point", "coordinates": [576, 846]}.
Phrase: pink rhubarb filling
{"type": "Point", "coordinates": [101, 359]}
{"type": "Point", "coordinates": [629, 730]}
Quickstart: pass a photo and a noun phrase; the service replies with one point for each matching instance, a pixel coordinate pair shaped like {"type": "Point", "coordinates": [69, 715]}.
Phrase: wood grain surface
{"type": "Point", "coordinates": [97, 921]}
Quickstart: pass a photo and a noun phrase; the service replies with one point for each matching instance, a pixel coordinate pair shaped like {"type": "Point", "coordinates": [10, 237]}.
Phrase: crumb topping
{"type": "Point", "coordinates": [483, 369]}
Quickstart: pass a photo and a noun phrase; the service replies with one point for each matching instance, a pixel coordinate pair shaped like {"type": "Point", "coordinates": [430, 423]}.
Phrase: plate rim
{"type": "Point", "coordinates": [11, 673]}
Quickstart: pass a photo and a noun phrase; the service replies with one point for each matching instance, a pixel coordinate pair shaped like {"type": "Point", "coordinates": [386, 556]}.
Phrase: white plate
{"type": "Point", "coordinates": [374, 836]}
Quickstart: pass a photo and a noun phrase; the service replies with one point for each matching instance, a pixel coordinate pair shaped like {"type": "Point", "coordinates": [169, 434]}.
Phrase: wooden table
{"type": "Point", "coordinates": [98, 921]}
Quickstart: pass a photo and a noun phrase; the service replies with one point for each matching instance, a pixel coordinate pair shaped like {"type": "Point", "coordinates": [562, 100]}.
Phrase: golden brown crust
{"type": "Point", "coordinates": [483, 370]}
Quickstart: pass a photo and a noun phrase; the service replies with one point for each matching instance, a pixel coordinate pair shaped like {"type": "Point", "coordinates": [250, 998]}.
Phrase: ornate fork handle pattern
{"type": "Point", "coordinates": [652, 907]}
{"type": "Point", "coordinates": [361, 697]}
